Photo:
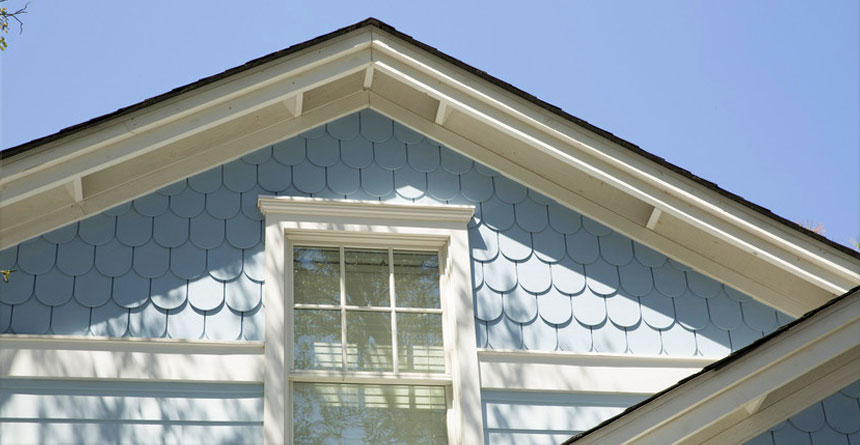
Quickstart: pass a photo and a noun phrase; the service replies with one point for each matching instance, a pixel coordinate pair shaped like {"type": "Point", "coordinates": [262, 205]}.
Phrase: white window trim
{"type": "Point", "coordinates": [371, 223]}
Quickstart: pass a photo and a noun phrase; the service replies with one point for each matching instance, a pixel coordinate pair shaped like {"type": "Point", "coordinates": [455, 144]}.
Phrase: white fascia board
{"type": "Point", "coordinates": [29, 175]}
{"type": "Point", "coordinates": [811, 345]}
{"type": "Point", "coordinates": [73, 357]}
{"type": "Point", "coordinates": [656, 185]}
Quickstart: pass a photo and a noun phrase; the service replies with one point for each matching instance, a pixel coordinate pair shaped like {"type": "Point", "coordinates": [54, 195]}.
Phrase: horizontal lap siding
{"type": "Point", "coordinates": [64, 411]}
{"type": "Point", "coordinates": [512, 417]}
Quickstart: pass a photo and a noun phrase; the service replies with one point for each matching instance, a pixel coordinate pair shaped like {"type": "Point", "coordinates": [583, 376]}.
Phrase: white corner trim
{"type": "Point", "coordinates": [706, 404]}
{"type": "Point", "coordinates": [300, 208]}
{"type": "Point", "coordinates": [586, 372]}
{"type": "Point", "coordinates": [63, 357]}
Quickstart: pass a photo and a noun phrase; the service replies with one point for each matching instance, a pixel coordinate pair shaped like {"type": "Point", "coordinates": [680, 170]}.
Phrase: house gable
{"type": "Point", "coordinates": [371, 65]}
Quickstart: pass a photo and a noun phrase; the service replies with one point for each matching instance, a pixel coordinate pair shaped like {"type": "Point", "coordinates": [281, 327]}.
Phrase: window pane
{"type": "Point", "coordinates": [331, 413]}
{"type": "Point", "coordinates": [416, 279]}
{"type": "Point", "coordinates": [368, 339]}
{"type": "Point", "coordinates": [316, 275]}
{"type": "Point", "coordinates": [318, 339]}
{"type": "Point", "coordinates": [367, 277]}
{"type": "Point", "coordinates": [419, 343]}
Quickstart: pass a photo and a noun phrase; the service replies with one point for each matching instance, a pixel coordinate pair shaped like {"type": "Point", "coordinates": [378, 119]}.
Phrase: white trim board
{"type": "Point", "coordinates": [734, 402]}
{"type": "Point", "coordinates": [61, 357]}
{"type": "Point", "coordinates": [370, 67]}
{"type": "Point", "coordinates": [583, 373]}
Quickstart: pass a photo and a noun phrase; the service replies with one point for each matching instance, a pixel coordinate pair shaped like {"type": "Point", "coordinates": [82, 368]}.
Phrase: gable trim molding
{"type": "Point", "coordinates": [371, 65]}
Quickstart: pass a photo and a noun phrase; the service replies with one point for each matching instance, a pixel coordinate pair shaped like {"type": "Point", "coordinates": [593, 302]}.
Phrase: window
{"type": "Point", "coordinates": [377, 339]}
{"type": "Point", "coordinates": [360, 310]}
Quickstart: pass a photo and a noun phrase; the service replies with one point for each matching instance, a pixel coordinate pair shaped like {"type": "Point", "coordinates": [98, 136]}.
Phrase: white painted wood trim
{"type": "Point", "coordinates": [533, 120]}
{"type": "Point", "coordinates": [814, 344]}
{"type": "Point", "coordinates": [442, 113]}
{"type": "Point", "coordinates": [276, 392]}
{"type": "Point", "coordinates": [347, 210]}
{"type": "Point", "coordinates": [579, 153]}
{"type": "Point", "coordinates": [60, 357]}
{"type": "Point", "coordinates": [654, 218]}
{"type": "Point", "coordinates": [587, 373]}
{"type": "Point", "coordinates": [332, 222]}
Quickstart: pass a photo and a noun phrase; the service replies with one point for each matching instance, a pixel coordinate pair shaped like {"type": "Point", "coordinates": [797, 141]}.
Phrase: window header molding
{"type": "Point", "coordinates": [351, 210]}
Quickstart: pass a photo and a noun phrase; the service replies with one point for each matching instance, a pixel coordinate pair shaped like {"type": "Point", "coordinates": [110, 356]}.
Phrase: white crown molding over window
{"type": "Point", "coordinates": [316, 221]}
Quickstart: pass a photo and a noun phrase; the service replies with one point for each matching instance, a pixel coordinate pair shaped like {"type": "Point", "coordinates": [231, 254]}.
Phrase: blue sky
{"type": "Point", "coordinates": [760, 97]}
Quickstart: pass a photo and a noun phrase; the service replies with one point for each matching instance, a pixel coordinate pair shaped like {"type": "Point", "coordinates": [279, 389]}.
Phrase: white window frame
{"type": "Point", "coordinates": [327, 222]}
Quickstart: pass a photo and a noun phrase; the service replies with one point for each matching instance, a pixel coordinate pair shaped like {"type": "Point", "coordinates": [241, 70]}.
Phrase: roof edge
{"type": "Point", "coordinates": [716, 366]}
{"type": "Point", "coordinates": [374, 22]}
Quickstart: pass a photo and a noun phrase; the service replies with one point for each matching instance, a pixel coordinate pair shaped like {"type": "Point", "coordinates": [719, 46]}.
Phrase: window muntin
{"type": "Point", "coordinates": [379, 289]}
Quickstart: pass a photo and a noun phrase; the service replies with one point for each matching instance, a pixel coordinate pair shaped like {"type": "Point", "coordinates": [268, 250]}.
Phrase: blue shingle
{"type": "Point", "coordinates": [648, 256]}
{"type": "Point", "coordinates": [188, 204]}
{"type": "Point", "coordinates": [635, 278]}
{"type": "Point", "coordinates": [170, 230]}
{"type": "Point", "coordinates": [206, 182]}
{"type": "Point", "coordinates": [582, 247]}
{"type": "Point", "coordinates": [454, 162]}
{"type": "Point", "coordinates": [531, 215]}
{"type": "Point", "coordinates": [375, 127]}
{"type": "Point", "coordinates": [207, 232]}
{"type": "Point", "coordinates": [188, 261]}
{"type": "Point", "coordinates": [478, 188]}
{"type": "Point", "coordinates": [442, 185]}
{"type": "Point", "coordinates": [31, 317]}
{"type": "Point", "coordinates": [169, 291]}
{"type": "Point", "coordinates": [554, 307]}
{"type": "Point", "coordinates": [62, 235]}
{"type": "Point", "coordinates": [345, 128]}
{"type": "Point", "coordinates": [130, 290]}
{"type": "Point", "coordinates": [223, 203]}
{"type": "Point", "coordinates": [205, 293]}
{"type": "Point", "coordinates": [242, 294]}
{"type": "Point", "coordinates": [504, 334]}
{"type": "Point", "coordinates": [153, 204]}
{"type": "Point", "coordinates": [410, 183]}
{"type": "Point", "coordinates": [692, 311]}
{"type": "Point", "coordinates": [623, 310]}
{"type": "Point", "coordinates": [223, 324]}
{"type": "Point", "coordinates": [549, 245]}
{"type": "Point", "coordinates": [540, 336]}
{"type": "Point", "coordinates": [357, 153]}
{"type": "Point", "coordinates": [658, 310]}
{"type": "Point", "coordinates": [642, 339]}
{"type": "Point", "coordinates": [601, 277]}
{"type": "Point", "coordinates": [669, 281]}
{"type": "Point", "coordinates": [609, 338]}
{"type": "Point", "coordinates": [151, 260]}
{"type": "Point", "coordinates": [574, 337]}
{"type": "Point", "coordinates": [243, 232]}
{"type": "Point", "coordinates": [258, 157]}
{"type": "Point", "coordinates": [93, 289]}
{"type": "Point", "coordinates": [724, 312]}
{"type": "Point", "coordinates": [274, 176]}
{"type": "Point", "coordinates": [678, 341]}
{"type": "Point", "coordinates": [508, 190]}
{"type": "Point", "coordinates": [290, 151]}
{"type": "Point", "coordinates": [53, 287]}
{"type": "Point", "coordinates": [534, 275]}
{"type": "Point", "coordinates": [75, 257]}
{"type": "Point", "coordinates": [423, 155]}
{"type": "Point", "coordinates": [147, 321]}
{"type": "Point", "coordinates": [515, 243]}
{"type": "Point", "coordinates": [323, 151]}
{"type": "Point", "coordinates": [133, 229]}
{"type": "Point", "coordinates": [113, 258]}
{"type": "Point", "coordinates": [405, 134]}
{"type": "Point", "coordinates": [185, 323]}
{"type": "Point", "coordinates": [390, 155]}
{"type": "Point", "coordinates": [239, 176]}
{"type": "Point", "coordinates": [36, 256]}
{"type": "Point", "coordinates": [568, 276]}
{"type": "Point", "coordinates": [488, 304]}
{"type": "Point", "coordinates": [520, 305]}
{"type": "Point", "coordinates": [343, 179]}
{"type": "Point", "coordinates": [377, 181]}
{"type": "Point", "coordinates": [109, 320]}
{"type": "Point", "coordinates": [500, 274]}
{"type": "Point", "coordinates": [589, 308]}
{"type": "Point", "coordinates": [71, 318]}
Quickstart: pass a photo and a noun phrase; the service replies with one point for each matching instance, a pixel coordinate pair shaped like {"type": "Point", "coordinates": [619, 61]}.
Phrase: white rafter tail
{"type": "Point", "coordinates": [75, 188]}
{"type": "Point", "coordinates": [654, 218]}
{"type": "Point", "coordinates": [294, 104]}
{"type": "Point", "coordinates": [442, 112]}
{"type": "Point", "coordinates": [755, 404]}
{"type": "Point", "coordinates": [368, 77]}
